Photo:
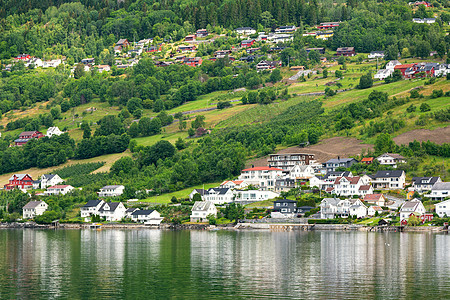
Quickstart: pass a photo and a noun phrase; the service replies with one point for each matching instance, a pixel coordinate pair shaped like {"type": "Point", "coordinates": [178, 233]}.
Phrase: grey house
{"type": "Point", "coordinates": [284, 208]}
{"type": "Point", "coordinates": [335, 163]}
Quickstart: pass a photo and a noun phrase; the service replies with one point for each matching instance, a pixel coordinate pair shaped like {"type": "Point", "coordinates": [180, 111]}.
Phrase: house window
{"type": "Point", "coordinates": [278, 204]}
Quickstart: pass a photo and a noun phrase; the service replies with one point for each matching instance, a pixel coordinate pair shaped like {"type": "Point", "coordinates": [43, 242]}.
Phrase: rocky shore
{"type": "Point", "coordinates": [239, 226]}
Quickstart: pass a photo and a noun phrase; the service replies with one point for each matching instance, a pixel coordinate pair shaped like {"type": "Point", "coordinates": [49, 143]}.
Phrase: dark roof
{"type": "Point", "coordinates": [112, 206]}
{"type": "Point", "coordinates": [220, 191]}
{"type": "Point", "coordinates": [244, 28]}
{"type": "Point", "coordinates": [142, 212]}
{"type": "Point", "coordinates": [340, 160]}
{"type": "Point", "coordinates": [424, 180]}
{"type": "Point", "coordinates": [48, 176]}
{"type": "Point", "coordinates": [202, 192]}
{"type": "Point", "coordinates": [384, 174]}
{"type": "Point", "coordinates": [131, 209]}
{"type": "Point", "coordinates": [92, 203]}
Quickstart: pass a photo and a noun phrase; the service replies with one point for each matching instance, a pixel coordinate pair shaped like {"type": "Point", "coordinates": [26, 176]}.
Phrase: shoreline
{"type": "Point", "coordinates": [238, 227]}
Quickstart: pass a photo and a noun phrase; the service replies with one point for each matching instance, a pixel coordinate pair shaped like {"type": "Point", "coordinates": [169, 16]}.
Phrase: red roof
{"type": "Point", "coordinates": [365, 187]}
{"type": "Point", "coordinates": [262, 169]}
{"type": "Point", "coordinates": [329, 189]}
{"type": "Point", "coordinates": [367, 159]}
{"type": "Point", "coordinates": [405, 66]}
{"type": "Point", "coordinates": [371, 197]}
{"type": "Point", "coordinates": [352, 180]}
{"type": "Point", "coordinates": [377, 208]}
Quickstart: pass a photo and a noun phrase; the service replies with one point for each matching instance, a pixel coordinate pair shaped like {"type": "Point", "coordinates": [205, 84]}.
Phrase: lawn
{"type": "Point", "coordinates": [165, 198]}
{"type": "Point", "coordinates": [260, 204]}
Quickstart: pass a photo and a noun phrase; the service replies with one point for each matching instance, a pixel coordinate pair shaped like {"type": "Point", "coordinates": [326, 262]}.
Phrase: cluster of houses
{"type": "Point", "coordinates": [325, 30]}
{"type": "Point", "coordinates": [26, 136]}
{"type": "Point", "coordinates": [29, 61]}
{"type": "Point", "coordinates": [293, 170]}
{"type": "Point", "coordinates": [413, 70]}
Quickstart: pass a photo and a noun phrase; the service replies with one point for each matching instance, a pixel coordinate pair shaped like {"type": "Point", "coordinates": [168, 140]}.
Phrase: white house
{"type": "Point", "coordinates": [103, 68]}
{"type": "Point", "coordinates": [376, 199]}
{"type": "Point", "coordinates": [442, 70]}
{"type": "Point", "coordinates": [391, 64]}
{"type": "Point", "coordinates": [390, 159]}
{"type": "Point", "coordinates": [383, 74]}
{"type": "Point", "coordinates": [372, 210]}
{"type": "Point", "coordinates": [111, 191]}
{"type": "Point", "coordinates": [91, 208]}
{"type": "Point", "coordinates": [390, 180]}
{"type": "Point", "coordinates": [301, 172]}
{"type": "Point", "coordinates": [263, 177]}
{"type": "Point", "coordinates": [332, 207]}
{"type": "Point", "coordinates": [357, 208]}
{"type": "Point", "coordinates": [439, 191]}
{"type": "Point", "coordinates": [350, 186]}
{"type": "Point", "coordinates": [423, 184]}
{"type": "Point", "coordinates": [37, 62]}
{"type": "Point", "coordinates": [34, 208]}
{"type": "Point", "coordinates": [51, 131]}
{"type": "Point", "coordinates": [234, 184]}
{"type": "Point", "coordinates": [201, 210]}
{"type": "Point", "coordinates": [219, 195]}
{"type": "Point", "coordinates": [51, 63]}
{"type": "Point", "coordinates": [202, 192]}
{"type": "Point", "coordinates": [411, 207]}
{"type": "Point", "coordinates": [376, 54]}
{"type": "Point", "coordinates": [49, 180]}
{"type": "Point", "coordinates": [443, 208]}
{"type": "Point", "coordinates": [255, 196]}
{"type": "Point", "coordinates": [112, 211]}
{"type": "Point", "coordinates": [150, 217]}
{"type": "Point", "coordinates": [58, 189]}
{"type": "Point", "coordinates": [245, 31]}
{"type": "Point", "coordinates": [130, 211]}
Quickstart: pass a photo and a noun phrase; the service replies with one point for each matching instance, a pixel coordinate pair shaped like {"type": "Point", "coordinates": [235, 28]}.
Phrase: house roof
{"type": "Point", "coordinates": [19, 176]}
{"type": "Point", "coordinates": [339, 160]}
{"type": "Point", "coordinates": [372, 197]}
{"type": "Point", "coordinates": [346, 49]}
{"type": "Point", "coordinates": [237, 182]}
{"type": "Point", "coordinates": [219, 191]}
{"type": "Point", "coordinates": [337, 174]}
{"type": "Point", "coordinates": [377, 208]}
{"type": "Point", "coordinates": [329, 189]}
{"type": "Point", "coordinates": [142, 212]}
{"type": "Point", "coordinates": [424, 180]}
{"type": "Point", "coordinates": [33, 204]}
{"type": "Point", "coordinates": [112, 206]}
{"type": "Point", "coordinates": [121, 41]}
{"type": "Point", "coordinates": [352, 180]}
{"type": "Point", "coordinates": [262, 169]}
{"type": "Point", "coordinates": [365, 187]}
{"type": "Point", "coordinates": [441, 186]}
{"type": "Point", "coordinates": [367, 159]}
{"type": "Point", "coordinates": [202, 206]}
{"type": "Point", "coordinates": [244, 28]}
{"type": "Point", "coordinates": [411, 204]}
{"type": "Point", "coordinates": [111, 187]}
{"type": "Point", "coordinates": [28, 132]}
{"type": "Point", "coordinates": [131, 209]}
{"type": "Point", "coordinates": [92, 203]}
{"type": "Point", "coordinates": [331, 201]}
{"type": "Point", "coordinates": [393, 155]}
{"type": "Point", "coordinates": [404, 66]}
{"type": "Point", "coordinates": [48, 176]}
{"type": "Point", "coordinates": [390, 174]}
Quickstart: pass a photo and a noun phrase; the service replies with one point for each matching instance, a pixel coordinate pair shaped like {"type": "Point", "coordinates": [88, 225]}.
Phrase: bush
{"type": "Point", "coordinates": [223, 104]}
{"type": "Point", "coordinates": [414, 94]}
{"type": "Point", "coordinates": [47, 217]}
{"type": "Point", "coordinates": [437, 94]}
{"type": "Point", "coordinates": [425, 107]}
{"type": "Point", "coordinates": [411, 108]}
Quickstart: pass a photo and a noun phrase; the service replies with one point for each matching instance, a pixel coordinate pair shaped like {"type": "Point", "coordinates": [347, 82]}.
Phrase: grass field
{"type": "Point", "coordinates": [165, 198]}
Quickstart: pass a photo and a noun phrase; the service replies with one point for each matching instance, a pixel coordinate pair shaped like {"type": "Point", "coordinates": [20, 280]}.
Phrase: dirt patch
{"type": "Point", "coordinates": [325, 150]}
{"type": "Point", "coordinates": [438, 136]}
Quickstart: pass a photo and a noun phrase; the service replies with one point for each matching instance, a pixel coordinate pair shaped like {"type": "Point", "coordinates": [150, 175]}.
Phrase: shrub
{"type": "Point", "coordinates": [425, 107]}
{"type": "Point", "coordinates": [437, 93]}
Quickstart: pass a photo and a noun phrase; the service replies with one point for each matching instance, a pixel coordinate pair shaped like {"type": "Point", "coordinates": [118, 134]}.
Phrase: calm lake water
{"type": "Point", "coordinates": [148, 264]}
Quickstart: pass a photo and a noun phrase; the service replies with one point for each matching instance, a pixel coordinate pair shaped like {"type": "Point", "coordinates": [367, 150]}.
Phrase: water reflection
{"type": "Point", "coordinates": [81, 264]}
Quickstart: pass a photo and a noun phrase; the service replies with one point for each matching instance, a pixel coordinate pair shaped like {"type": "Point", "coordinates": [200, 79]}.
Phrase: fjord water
{"type": "Point", "coordinates": [146, 264]}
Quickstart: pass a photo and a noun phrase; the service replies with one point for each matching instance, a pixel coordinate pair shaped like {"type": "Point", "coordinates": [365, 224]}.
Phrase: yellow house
{"type": "Point", "coordinates": [409, 195]}
{"type": "Point", "coordinates": [324, 35]}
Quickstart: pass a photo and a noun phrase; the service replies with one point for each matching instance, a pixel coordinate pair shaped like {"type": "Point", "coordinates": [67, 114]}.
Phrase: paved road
{"type": "Point", "coordinates": [397, 201]}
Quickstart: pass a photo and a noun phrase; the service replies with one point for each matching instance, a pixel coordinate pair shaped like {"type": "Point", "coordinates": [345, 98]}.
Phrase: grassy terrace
{"type": "Point", "coordinates": [165, 198]}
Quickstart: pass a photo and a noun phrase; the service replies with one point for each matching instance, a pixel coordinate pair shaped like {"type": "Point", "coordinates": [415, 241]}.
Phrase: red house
{"type": "Point", "coordinates": [426, 218]}
{"type": "Point", "coordinates": [154, 48]}
{"type": "Point", "coordinates": [247, 43]}
{"type": "Point", "coordinates": [367, 160]}
{"type": "Point", "coordinates": [403, 69]}
{"type": "Point", "coordinates": [25, 136]}
{"type": "Point", "coordinates": [190, 38]}
{"type": "Point", "coordinates": [328, 25]}
{"type": "Point", "coordinates": [21, 181]}
{"type": "Point", "coordinates": [193, 61]}
{"type": "Point", "coordinates": [22, 57]}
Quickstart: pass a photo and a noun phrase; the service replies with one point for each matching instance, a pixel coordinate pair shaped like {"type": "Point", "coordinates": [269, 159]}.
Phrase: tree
{"type": "Point", "coordinates": [325, 73]}
{"type": "Point", "coordinates": [423, 49]}
{"type": "Point", "coordinates": [191, 131]}
{"type": "Point", "coordinates": [275, 76]}
{"type": "Point", "coordinates": [161, 150]}
{"type": "Point", "coordinates": [365, 81]}
{"type": "Point", "coordinates": [234, 212]}
{"type": "Point", "coordinates": [109, 125]}
{"type": "Point", "coordinates": [79, 71]}
{"type": "Point", "coordinates": [198, 122]}
{"type": "Point", "coordinates": [47, 217]}
{"type": "Point", "coordinates": [314, 56]}
{"type": "Point", "coordinates": [123, 165]}
{"type": "Point", "coordinates": [56, 112]}
{"type": "Point", "coordinates": [180, 144]}
{"type": "Point", "coordinates": [424, 107]}
{"type": "Point", "coordinates": [197, 197]}
{"type": "Point", "coordinates": [384, 143]}
{"type": "Point", "coordinates": [133, 131]}
{"type": "Point", "coordinates": [391, 52]}
{"type": "Point", "coordinates": [134, 104]}
{"type": "Point", "coordinates": [338, 74]}
{"type": "Point", "coordinates": [86, 130]}
{"type": "Point", "coordinates": [155, 126]}
{"type": "Point", "coordinates": [158, 105]}
{"type": "Point", "coordinates": [266, 19]}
